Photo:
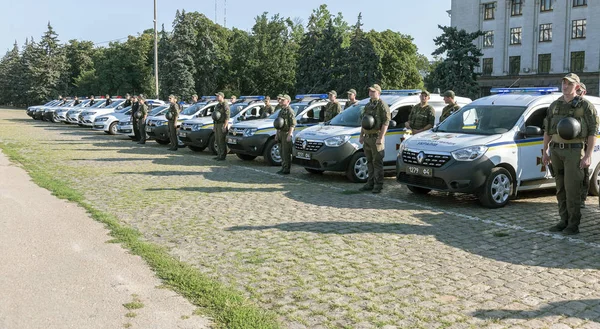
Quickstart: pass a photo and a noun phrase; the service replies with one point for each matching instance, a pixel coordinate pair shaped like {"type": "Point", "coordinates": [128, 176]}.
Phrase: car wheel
{"type": "Point", "coordinates": [418, 190]}
{"type": "Point", "coordinates": [246, 157]}
{"type": "Point", "coordinates": [81, 125]}
{"type": "Point", "coordinates": [162, 141]}
{"type": "Point", "coordinates": [112, 129]}
{"type": "Point", "coordinates": [196, 148]}
{"type": "Point", "coordinates": [357, 171]}
{"type": "Point", "coordinates": [212, 144]}
{"type": "Point", "coordinates": [497, 189]}
{"type": "Point", "coordinates": [314, 171]}
{"type": "Point", "coordinates": [272, 154]}
{"type": "Point", "coordinates": [595, 181]}
{"type": "Point", "coordinates": [55, 119]}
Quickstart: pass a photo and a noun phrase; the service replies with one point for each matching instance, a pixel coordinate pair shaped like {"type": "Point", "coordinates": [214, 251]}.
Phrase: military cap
{"type": "Point", "coordinates": [582, 86]}
{"type": "Point", "coordinates": [572, 77]}
{"type": "Point", "coordinates": [333, 92]}
{"type": "Point", "coordinates": [220, 93]}
{"type": "Point", "coordinates": [171, 96]}
{"type": "Point", "coordinates": [449, 93]}
{"type": "Point", "coordinates": [194, 95]}
{"type": "Point", "coordinates": [286, 97]}
{"type": "Point", "coordinates": [351, 91]}
{"type": "Point", "coordinates": [279, 96]}
{"type": "Point", "coordinates": [375, 87]}
{"type": "Point", "coordinates": [425, 92]}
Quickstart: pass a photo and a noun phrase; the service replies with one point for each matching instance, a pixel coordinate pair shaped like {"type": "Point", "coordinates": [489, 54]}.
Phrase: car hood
{"type": "Point", "coordinates": [200, 121]}
{"type": "Point", "coordinates": [322, 132]}
{"type": "Point", "coordinates": [259, 124]}
{"type": "Point", "coordinates": [447, 142]}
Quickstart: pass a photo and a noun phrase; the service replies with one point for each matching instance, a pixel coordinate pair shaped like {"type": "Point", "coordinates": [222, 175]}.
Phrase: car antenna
{"type": "Point", "coordinates": [514, 82]}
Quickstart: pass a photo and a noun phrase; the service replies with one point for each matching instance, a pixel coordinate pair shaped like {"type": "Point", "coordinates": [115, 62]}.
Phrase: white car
{"type": "Point", "coordinates": [125, 126]}
{"type": "Point", "coordinates": [87, 117]}
{"type": "Point", "coordinates": [108, 122]}
{"type": "Point", "coordinates": [73, 114]}
{"type": "Point", "coordinates": [157, 126]}
{"type": "Point", "coordinates": [60, 114]}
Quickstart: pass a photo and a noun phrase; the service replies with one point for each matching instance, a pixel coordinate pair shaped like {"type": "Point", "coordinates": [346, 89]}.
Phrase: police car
{"type": "Point", "coordinates": [491, 148]}
{"type": "Point", "coordinates": [335, 146]}
{"type": "Point", "coordinates": [87, 117]}
{"type": "Point", "coordinates": [157, 127]}
{"type": "Point", "coordinates": [197, 134]}
{"type": "Point", "coordinates": [31, 110]}
{"type": "Point", "coordinates": [49, 113]}
{"type": "Point", "coordinates": [125, 126]}
{"type": "Point", "coordinates": [108, 122]}
{"type": "Point", "coordinates": [60, 114]}
{"type": "Point", "coordinates": [73, 114]}
{"type": "Point", "coordinates": [257, 138]}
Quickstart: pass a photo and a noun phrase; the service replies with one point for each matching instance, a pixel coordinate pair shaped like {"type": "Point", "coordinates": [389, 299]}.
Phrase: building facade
{"type": "Point", "coordinates": [533, 43]}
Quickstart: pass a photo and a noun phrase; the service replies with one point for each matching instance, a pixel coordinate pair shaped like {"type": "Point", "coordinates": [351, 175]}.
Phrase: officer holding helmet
{"type": "Point", "coordinates": [172, 114]}
{"type": "Point", "coordinates": [220, 120]}
{"type": "Point", "coordinates": [285, 124]}
{"type": "Point", "coordinates": [375, 120]}
{"type": "Point", "coordinates": [140, 117]}
{"type": "Point", "coordinates": [570, 122]}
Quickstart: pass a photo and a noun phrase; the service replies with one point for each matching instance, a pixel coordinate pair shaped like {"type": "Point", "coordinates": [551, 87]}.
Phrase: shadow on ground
{"type": "Point", "coordinates": [585, 309]}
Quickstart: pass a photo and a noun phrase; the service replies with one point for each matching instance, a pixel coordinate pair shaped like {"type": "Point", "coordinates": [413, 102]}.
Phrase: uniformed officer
{"type": "Point", "coordinates": [233, 99]}
{"type": "Point", "coordinates": [422, 115]}
{"type": "Point", "coordinates": [451, 106]}
{"type": "Point", "coordinates": [135, 105]}
{"type": "Point", "coordinates": [174, 110]}
{"type": "Point", "coordinates": [141, 122]}
{"type": "Point", "coordinates": [351, 98]}
{"type": "Point", "coordinates": [92, 100]}
{"type": "Point", "coordinates": [284, 135]}
{"type": "Point", "coordinates": [333, 107]}
{"type": "Point", "coordinates": [77, 101]}
{"type": "Point", "coordinates": [268, 109]}
{"type": "Point", "coordinates": [127, 101]}
{"type": "Point", "coordinates": [220, 126]}
{"type": "Point", "coordinates": [373, 140]}
{"type": "Point", "coordinates": [194, 99]}
{"type": "Point", "coordinates": [567, 156]}
{"type": "Point", "coordinates": [108, 100]}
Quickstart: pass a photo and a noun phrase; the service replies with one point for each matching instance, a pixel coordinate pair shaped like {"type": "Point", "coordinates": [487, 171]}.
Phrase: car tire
{"type": "Point", "coordinates": [212, 144]}
{"type": "Point", "coordinates": [418, 190]}
{"type": "Point", "coordinates": [315, 171]}
{"type": "Point", "coordinates": [54, 119]}
{"type": "Point", "coordinates": [112, 129]}
{"type": "Point", "coordinates": [271, 153]}
{"type": "Point", "coordinates": [162, 141]}
{"type": "Point", "coordinates": [497, 189]}
{"type": "Point", "coordinates": [246, 157]}
{"type": "Point", "coordinates": [81, 125]}
{"type": "Point", "coordinates": [196, 148]}
{"type": "Point", "coordinates": [357, 171]}
{"type": "Point", "coordinates": [595, 181]}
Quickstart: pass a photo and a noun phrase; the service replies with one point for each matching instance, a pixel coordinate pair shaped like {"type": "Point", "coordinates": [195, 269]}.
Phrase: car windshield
{"type": "Point", "coordinates": [482, 120]}
{"type": "Point", "coordinates": [235, 109]}
{"type": "Point", "coordinates": [114, 104]}
{"type": "Point", "coordinates": [350, 117]}
{"type": "Point", "coordinates": [99, 103]}
{"type": "Point", "coordinates": [123, 110]}
{"type": "Point", "coordinates": [298, 108]}
{"type": "Point", "coordinates": [158, 110]}
{"type": "Point", "coordinates": [192, 109]}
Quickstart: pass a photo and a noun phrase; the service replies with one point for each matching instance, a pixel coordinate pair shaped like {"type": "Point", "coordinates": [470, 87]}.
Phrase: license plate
{"type": "Point", "coordinates": [149, 129]}
{"type": "Point", "coordinates": [182, 134]}
{"type": "Point", "coordinates": [303, 155]}
{"type": "Point", "coordinates": [419, 171]}
{"type": "Point", "coordinates": [231, 141]}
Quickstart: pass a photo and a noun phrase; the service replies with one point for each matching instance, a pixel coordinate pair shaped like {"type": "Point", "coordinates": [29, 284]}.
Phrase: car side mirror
{"type": "Point", "coordinates": [303, 120]}
{"type": "Point", "coordinates": [532, 131]}
{"type": "Point", "coordinates": [392, 124]}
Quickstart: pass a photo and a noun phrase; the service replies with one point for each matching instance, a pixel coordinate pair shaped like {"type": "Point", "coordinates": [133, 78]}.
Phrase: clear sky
{"type": "Point", "coordinates": [106, 20]}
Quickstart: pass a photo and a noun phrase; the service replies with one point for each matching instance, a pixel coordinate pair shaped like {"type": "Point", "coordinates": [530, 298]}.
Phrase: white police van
{"type": "Point", "coordinates": [249, 139]}
{"type": "Point", "coordinates": [335, 146]}
{"type": "Point", "coordinates": [491, 148]}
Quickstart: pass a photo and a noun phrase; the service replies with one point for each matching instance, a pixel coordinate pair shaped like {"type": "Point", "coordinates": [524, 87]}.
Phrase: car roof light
{"type": "Point", "coordinates": [524, 90]}
{"type": "Point", "coordinates": [318, 96]}
{"type": "Point", "coordinates": [401, 92]}
{"type": "Point", "coordinates": [252, 97]}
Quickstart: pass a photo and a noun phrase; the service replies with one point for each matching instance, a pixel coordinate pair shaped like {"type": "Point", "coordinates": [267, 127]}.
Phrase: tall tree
{"type": "Point", "coordinates": [11, 77]}
{"type": "Point", "coordinates": [79, 59]}
{"type": "Point", "coordinates": [360, 62]}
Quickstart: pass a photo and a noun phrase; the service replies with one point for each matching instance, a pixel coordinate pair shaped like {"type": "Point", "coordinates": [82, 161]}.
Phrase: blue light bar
{"type": "Point", "coordinates": [302, 96]}
{"type": "Point", "coordinates": [209, 97]}
{"type": "Point", "coordinates": [252, 97]}
{"type": "Point", "coordinates": [524, 90]}
{"type": "Point", "coordinates": [401, 92]}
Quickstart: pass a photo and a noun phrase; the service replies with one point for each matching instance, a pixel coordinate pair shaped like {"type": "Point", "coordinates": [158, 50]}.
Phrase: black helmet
{"type": "Point", "coordinates": [138, 115]}
{"type": "Point", "coordinates": [169, 116]}
{"type": "Point", "coordinates": [278, 123]}
{"type": "Point", "coordinates": [568, 128]}
{"type": "Point", "coordinates": [368, 122]}
{"type": "Point", "coordinates": [216, 115]}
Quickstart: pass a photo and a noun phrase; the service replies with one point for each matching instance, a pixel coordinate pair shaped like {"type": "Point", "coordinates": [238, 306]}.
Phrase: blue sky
{"type": "Point", "coordinates": [101, 21]}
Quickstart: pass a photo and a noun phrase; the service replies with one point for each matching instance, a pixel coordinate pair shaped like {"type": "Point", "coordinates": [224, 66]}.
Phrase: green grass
{"type": "Point", "coordinates": [131, 315]}
{"type": "Point", "coordinates": [227, 306]}
{"type": "Point", "coordinates": [135, 305]}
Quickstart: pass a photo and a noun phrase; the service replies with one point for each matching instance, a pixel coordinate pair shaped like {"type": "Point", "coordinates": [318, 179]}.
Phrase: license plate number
{"type": "Point", "coordinates": [419, 171]}
{"type": "Point", "coordinates": [149, 129]}
{"type": "Point", "coordinates": [231, 140]}
{"type": "Point", "coordinates": [182, 134]}
{"type": "Point", "coordinates": [303, 155]}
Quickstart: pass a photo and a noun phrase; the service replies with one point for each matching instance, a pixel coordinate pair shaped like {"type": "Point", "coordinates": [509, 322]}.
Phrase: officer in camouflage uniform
{"type": "Point", "coordinates": [333, 107]}
{"type": "Point", "coordinates": [135, 105]}
{"type": "Point", "coordinates": [268, 109]}
{"type": "Point", "coordinates": [220, 126]}
{"type": "Point", "coordinates": [422, 115]}
{"type": "Point", "coordinates": [174, 109]}
{"type": "Point", "coordinates": [351, 98]}
{"type": "Point", "coordinates": [284, 135]}
{"type": "Point", "coordinates": [451, 106]}
{"type": "Point", "coordinates": [141, 122]}
{"type": "Point", "coordinates": [127, 101]}
{"type": "Point", "coordinates": [568, 157]}
{"type": "Point", "coordinates": [373, 139]}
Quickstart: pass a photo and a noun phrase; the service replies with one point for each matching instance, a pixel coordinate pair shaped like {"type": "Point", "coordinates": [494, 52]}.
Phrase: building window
{"type": "Point", "coordinates": [579, 3]}
{"type": "Point", "coordinates": [488, 39]}
{"type": "Point", "coordinates": [514, 65]}
{"type": "Point", "coordinates": [544, 63]}
{"type": "Point", "coordinates": [578, 31]}
{"type": "Point", "coordinates": [489, 10]}
{"type": "Point", "coordinates": [546, 5]}
{"type": "Point", "coordinates": [515, 36]}
{"type": "Point", "coordinates": [577, 61]}
{"type": "Point", "coordinates": [545, 32]}
{"type": "Point", "coordinates": [516, 8]}
{"type": "Point", "coordinates": [488, 66]}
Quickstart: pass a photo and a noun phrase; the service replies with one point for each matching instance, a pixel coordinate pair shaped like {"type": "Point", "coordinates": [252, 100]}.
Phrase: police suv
{"type": "Point", "coordinates": [32, 109]}
{"type": "Point", "coordinates": [157, 127]}
{"type": "Point", "coordinates": [72, 115]}
{"type": "Point", "coordinates": [257, 138]}
{"type": "Point", "coordinates": [108, 122]}
{"type": "Point", "coordinates": [60, 115]}
{"type": "Point", "coordinates": [197, 134]}
{"type": "Point", "coordinates": [87, 117]}
{"type": "Point", "coordinates": [335, 146]}
{"type": "Point", "coordinates": [491, 148]}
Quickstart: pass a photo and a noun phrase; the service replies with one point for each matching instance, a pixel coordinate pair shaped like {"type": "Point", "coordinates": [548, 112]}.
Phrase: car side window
{"type": "Point", "coordinates": [537, 118]}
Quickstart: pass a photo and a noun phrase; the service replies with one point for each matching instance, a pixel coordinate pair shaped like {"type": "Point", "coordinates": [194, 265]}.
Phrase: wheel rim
{"type": "Point", "coordinates": [275, 154]}
{"type": "Point", "coordinates": [500, 188]}
{"type": "Point", "coordinates": [113, 129]}
{"type": "Point", "coordinates": [597, 180]}
{"type": "Point", "coordinates": [361, 170]}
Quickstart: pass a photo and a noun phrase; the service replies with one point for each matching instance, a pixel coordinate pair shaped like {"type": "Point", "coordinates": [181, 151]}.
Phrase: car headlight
{"type": "Point", "coordinates": [402, 147]}
{"type": "Point", "coordinates": [161, 123]}
{"type": "Point", "coordinates": [91, 113]}
{"type": "Point", "coordinates": [337, 140]}
{"type": "Point", "coordinates": [470, 153]}
{"type": "Point", "coordinates": [101, 119]}
{"type": "Point", "coordinates": [250, 132]}
{"type": "Point", "coordinates": [126, 123]}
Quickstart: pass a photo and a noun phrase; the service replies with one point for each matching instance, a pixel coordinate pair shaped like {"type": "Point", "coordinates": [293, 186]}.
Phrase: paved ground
{"type": "Point", "coordinates": [319, 255]}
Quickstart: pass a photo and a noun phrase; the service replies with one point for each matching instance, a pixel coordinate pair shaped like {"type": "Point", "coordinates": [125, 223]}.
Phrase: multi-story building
{"type": "Point", "coordinates": [533, 42]}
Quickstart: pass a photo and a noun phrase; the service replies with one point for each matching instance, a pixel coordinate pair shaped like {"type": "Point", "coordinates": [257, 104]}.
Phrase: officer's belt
{"type": "Point", "coordinates": [566, 145]}
{"type": "Point", "coordinates": [372, 135]}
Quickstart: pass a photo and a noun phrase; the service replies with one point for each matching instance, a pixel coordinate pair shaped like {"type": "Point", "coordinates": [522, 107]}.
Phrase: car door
{"type": "Point", "coordinates": [529, 161]}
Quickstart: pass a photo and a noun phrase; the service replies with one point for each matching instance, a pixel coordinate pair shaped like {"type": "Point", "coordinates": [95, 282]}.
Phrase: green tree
{"type": "Point", "coordinates": [457, 70]}
{"type": "Point", "coordinates": [79, 59]}
{"type": "Point", "coordinates": [360, 62]}
{"type": "Point", "coordinates": [11, 77]}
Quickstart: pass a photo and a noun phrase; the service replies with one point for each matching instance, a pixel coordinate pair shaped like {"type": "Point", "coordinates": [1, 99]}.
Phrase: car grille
{"type": "Point", "coordinates": [237, 131]}
{"type": "Point", "coordinates": [307, 163]}
{"type": "Point", "coordinates": [429, 160]}
{"type": "Point", "coordinates": [306, 145]}
{"type": "Point", "coordinates": [187, 126]}
{"type": "Point", "coordinates": [429, 182]}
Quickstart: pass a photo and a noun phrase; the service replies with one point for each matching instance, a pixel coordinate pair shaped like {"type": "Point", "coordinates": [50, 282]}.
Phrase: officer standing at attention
{"type": "Point", "coordinates": [268, 109]}
{"type": "Point", "coordinates": [127, 101]}
{"type": "Point", "coordinates": [451, 106]}
{"type": "Point", "coordinates": [108, 100]}
{"type": "Point", "coordinates": [373, 139]}
{"type": "Point", "coordinates": [172, 121]}
{"type": "Point", "coordinates": [220, 126]}
{"type": "Point", "coordinates": [564, 149]}
{"type": "Point", "coordinates": [422, 115]}
{"type": "Point", "coordinates": [141, 122]}
{"type": "Point", "coordinates": [351, 98]}
{"type": "Point", "coordinates": [284, 135]}
{"type": "Point", "coordinates": [333, 107]}
{"type": "Point", "coordinates": [135, 105]}
{"type": "Point", "coordinates": [92, 100]}
{"type": "Point", "coordinates": [77, 101]}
